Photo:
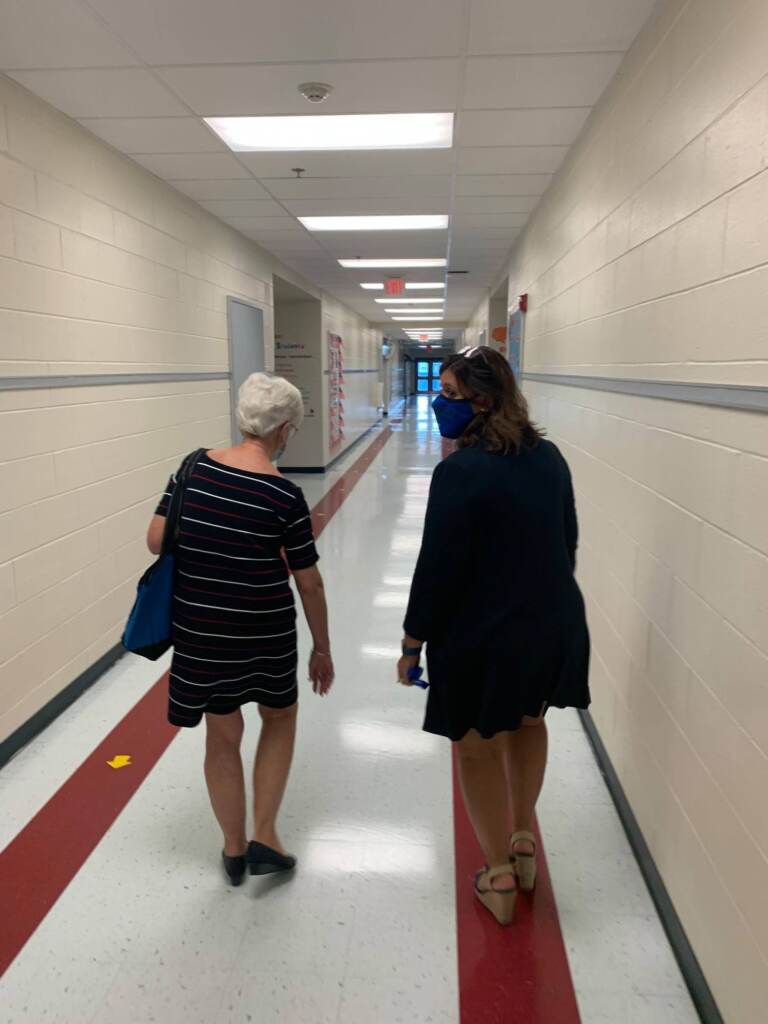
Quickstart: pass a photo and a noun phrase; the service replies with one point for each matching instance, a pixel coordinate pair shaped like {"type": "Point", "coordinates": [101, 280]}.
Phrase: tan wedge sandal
{"type": "Point", "coordinates": [524, 863]}
{"type": "Point", "coordinates": [500, 902]}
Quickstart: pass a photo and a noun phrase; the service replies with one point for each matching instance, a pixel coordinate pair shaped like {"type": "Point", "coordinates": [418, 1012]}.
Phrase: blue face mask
{"type": "Point", "coordinates": [453, 415]}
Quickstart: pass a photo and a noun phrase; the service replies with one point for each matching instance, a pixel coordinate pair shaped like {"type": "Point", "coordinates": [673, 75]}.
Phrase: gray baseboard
{"type": "Point", "coordinates": [690, 968]}
{"type": "Point", "coordinates": [51, 711]}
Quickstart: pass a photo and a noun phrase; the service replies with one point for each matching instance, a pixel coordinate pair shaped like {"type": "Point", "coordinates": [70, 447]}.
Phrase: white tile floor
{"type": "Point", "coordinates": [366, 932]}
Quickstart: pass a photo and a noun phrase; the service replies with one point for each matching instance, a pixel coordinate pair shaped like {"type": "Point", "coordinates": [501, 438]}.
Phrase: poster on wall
{"type": "Point", "coordinates": [515, 341]}
{"type": "Point", "coordinates": [295, 361]}
{"type": "Point", "coordinates": [336, 389]}
{"type": "Point", "coordinates": [499, 339]}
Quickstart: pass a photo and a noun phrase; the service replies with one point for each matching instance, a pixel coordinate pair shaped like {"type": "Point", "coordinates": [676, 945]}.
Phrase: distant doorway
{"type": "Point", "coordinates": [428, 376]}
{"type": "Point", "coordinates": [246, 349]}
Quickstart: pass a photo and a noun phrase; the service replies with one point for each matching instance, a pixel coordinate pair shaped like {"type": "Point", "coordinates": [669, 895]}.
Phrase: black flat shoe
{"type": "Point", "coordinates": [263, 860]}
{"type": "Point", "coordinates": [235, 868]}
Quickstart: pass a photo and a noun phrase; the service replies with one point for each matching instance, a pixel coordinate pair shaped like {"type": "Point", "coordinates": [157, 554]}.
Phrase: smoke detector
{"type": "Point", "coordinates": [315, 92]}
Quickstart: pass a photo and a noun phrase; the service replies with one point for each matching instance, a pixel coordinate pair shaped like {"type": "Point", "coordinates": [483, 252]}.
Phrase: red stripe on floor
{"type": "Point", "coordinates": [515, 974]}
{"type": "Point", "coordinates": [38, 865]}
{"type": "Point", "coordinates": [331, 502]}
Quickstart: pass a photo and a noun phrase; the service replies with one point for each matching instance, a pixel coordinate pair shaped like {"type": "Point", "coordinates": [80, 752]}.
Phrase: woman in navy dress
{"type": "Point", "coordinates": [495, 599]}
{"type": "Point", "coordinates": [245, 530]}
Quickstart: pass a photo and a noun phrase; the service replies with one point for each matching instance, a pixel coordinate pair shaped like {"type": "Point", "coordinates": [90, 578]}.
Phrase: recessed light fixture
{"type": "Point", "coordinates": [304, 133]}
{"type": "Point", "coordinates": [424, 318]}
{"type": "Point", "coordinates": [435, 300]}
{"type": "Point", "coordinates": [382, 264]}
{"type": "Point", "coordinates": [415, 312]}
{"type": "Point", "coordinates": [429, 222]}
{"type": "Point", "coordinates": [378, 286]}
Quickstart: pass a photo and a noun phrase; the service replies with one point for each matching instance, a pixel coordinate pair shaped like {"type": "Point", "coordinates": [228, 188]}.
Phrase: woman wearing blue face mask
{"type": "Point", "coordinates": [495, 599]}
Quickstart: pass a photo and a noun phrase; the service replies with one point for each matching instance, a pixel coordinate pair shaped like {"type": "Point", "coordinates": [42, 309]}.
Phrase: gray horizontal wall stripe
{"type": "Point", "coordinates": [345, 371]}
{"type": "Point", "coordinates": [90, 380]}
{"type": "Point", "coordinates": [727, 396]}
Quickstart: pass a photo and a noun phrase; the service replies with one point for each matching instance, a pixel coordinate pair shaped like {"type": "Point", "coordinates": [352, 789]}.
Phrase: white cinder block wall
{"type": "Point", "coordinates": [649, 259]}
{"type": "Point", "coordinates": [477, 331]}
{"type": "Point", "coordinates": [103, 269]}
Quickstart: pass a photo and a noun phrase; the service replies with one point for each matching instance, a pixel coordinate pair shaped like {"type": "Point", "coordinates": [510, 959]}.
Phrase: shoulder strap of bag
{"type": "Point", "coordinates": [173, 519]}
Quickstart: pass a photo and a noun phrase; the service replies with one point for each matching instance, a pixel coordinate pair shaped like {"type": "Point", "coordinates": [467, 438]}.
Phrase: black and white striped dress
{"type": "Point", "coordinates": [234, 622]}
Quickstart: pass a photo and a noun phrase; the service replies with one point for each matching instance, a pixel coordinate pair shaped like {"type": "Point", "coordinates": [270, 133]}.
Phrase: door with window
{"type": "Point", "coordinates": [428, 376]}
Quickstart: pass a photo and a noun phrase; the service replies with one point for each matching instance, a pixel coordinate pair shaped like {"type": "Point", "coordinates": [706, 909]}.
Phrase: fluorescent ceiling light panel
{"type": "Point", "coordinates": [415, 312]}
{"type": "Point", "coordinates": [424, 318]}
{"type": "Point", "coordinates": [382, 264]}
{"type": "Point", "coordinates": [416, 222]}
{"type": "Point", "coordinates": [305, 133]}
{"type": "Point", "coordinates": [378, 286]}
{"type": "Point", "coordinates": [435, 300]}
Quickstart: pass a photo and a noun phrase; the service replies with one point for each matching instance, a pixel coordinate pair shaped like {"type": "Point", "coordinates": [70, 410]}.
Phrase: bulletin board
{"type": "Point", "coordinates": [336, 389]}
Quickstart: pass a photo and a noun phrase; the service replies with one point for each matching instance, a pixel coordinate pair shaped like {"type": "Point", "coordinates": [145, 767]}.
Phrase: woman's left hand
{"type": "Point", "coordinates": [321, 672]}
{"type": "Point", "coordinates": [403, 665]}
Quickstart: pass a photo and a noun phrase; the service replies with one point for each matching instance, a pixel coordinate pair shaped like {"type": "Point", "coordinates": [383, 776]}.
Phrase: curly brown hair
{"type": "Point", "coordinates": [506, 424]}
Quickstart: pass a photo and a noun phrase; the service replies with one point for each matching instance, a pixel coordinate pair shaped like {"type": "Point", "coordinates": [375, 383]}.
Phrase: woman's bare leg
{"type": "Point", "coordinates": [526, 762]}
{"type": "Point", "coordinates": [484, 787]}
{"type": "Point", "coordinates": [270, 771]}
{"type": "Point", "coordinates": [224, 776]}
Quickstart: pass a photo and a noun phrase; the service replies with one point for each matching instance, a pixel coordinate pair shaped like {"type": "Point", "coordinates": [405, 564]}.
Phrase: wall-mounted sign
{"type": "Point", "coordinates": [515, 342]}
{"type": "Point", "coordinates": [296, 361]}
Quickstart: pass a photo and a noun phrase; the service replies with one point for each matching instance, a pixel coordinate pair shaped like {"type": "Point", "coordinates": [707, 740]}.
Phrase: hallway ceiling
{"type": "Point", "coordinates": [521, 78]}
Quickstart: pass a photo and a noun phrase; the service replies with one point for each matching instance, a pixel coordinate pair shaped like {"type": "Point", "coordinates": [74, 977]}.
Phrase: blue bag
{"type": "Point", "coordinates": [148, 630]}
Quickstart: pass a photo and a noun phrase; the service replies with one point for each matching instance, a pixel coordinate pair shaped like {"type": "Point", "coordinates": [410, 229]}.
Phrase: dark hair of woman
{"type": "Point", "coordinates": [505, 424]}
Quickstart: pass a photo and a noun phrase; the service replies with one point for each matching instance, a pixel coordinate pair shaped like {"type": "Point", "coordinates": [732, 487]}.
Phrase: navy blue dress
{"type": "Point", "coordinates": [494, 593]}
{"type": "Point", "coordinates": [234, 615]}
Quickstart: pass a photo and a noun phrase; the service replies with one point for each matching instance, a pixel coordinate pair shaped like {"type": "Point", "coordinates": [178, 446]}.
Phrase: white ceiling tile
{"type": "Point", "coordinates": [223, 188]}
{"type": "Point", "coordinates": [289, 232]}
{"type": "Point", "coordinates": [154, 134]}
{"type": "Point", "coordinates": [372, 207]}
{"type": "Point", "coordinates": [355, 164]}
{"type": "Point", "coordinates": [549, 127]}
{"type": "Point", "coordinates": [362, 87]}
{"type": "Point", "coordinates": [56, 34]}
{"type": "Point", "coordinates": [502, 184]}
{"type": "Point", "coordinates": [473, 236]}
{"type": "Point", "coordinates": [555, 26]}
{"type": "Point", "coordinates": [292, 245]}
{"type": "Point", "coordinates": [378, 246]}
{"type": "Point", "coordinates": [487, 250]}
{"type": "Point", "coordinates": [349, 188]}
{"type": "Point", "coordinates": [240, 31]}
{"type": "Point", "coordinates": [494, 204]}
{"type": "Point", "coordinates": [511, 159]}
{"type": "Point", "coordinates": [180, 166]}
{"type": "Point", "coordinates": [491, 220]}
{"type": "Point", "coordinates": [551, 80]}
{"type": "Point", "coordinates": [243, 207]}
{"type": "Point", "coordinates": [257, 223]}
{"type": "Point", "coordinates": [103, 92]}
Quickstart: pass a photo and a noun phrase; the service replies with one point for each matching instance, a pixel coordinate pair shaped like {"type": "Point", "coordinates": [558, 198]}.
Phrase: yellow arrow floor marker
{"type": "Point", "coordinates": [120, 761]}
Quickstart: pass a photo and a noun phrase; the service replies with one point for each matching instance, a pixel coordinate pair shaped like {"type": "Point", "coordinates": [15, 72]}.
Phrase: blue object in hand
{"type": "Point", "coordinates": [414, 675]}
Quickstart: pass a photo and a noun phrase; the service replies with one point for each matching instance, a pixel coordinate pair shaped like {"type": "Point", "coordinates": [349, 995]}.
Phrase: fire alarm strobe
{"type": "Point", "coordinates": [523, 303]}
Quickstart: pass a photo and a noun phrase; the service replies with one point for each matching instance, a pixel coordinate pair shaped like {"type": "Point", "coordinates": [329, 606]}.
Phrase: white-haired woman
{"type": "Point", "coordinates": [234, 628]}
